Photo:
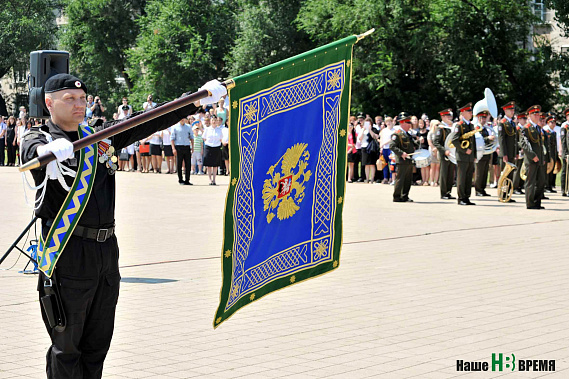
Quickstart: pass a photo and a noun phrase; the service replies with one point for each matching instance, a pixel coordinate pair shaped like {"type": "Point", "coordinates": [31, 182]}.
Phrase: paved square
{"type": "Point", "coordinates": [419, 287]}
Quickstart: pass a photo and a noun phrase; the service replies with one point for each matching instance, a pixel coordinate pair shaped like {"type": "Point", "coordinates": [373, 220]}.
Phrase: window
{"type": "Point", "coordinates": [538, 9]}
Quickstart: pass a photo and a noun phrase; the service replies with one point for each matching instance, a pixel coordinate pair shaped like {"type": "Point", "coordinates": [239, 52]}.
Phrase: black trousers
{"type": "Point", "coordinates": [518, 182]}
{"type": "Point", "coordinates": [403, 181]}
{"type": "Point", "coordinates": [534, 184]}
{"type": "Point", "coordinates": [465, 171]}
{"type": "Point", "coordinates": [482, 167]}
{"type": "Point", "coordinates": [11, 151]}
{"type": "Point", "coordinates": [357, 161]}
{"type": "Point", "coordinates": [564, 176]}
{"type": "Point", "coordinates": [551, 178]}
{"type": "Point", "coordinates": [183, 154]}
{"type": "Point", "coordinates": [2, 146]}
{"type": "Point", "coordinates": [446, 176]}
{"type": "Point", "coordinates": [88, 278]}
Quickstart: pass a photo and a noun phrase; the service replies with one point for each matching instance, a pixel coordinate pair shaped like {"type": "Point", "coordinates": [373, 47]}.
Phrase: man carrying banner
{"type": "Point", "coordinates": [75, 202]}
{"type": "Point", "coordinates": [403, 144]}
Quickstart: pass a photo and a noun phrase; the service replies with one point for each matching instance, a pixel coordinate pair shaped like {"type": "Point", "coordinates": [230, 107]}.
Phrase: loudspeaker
{"type": "Point", "coordinates": [43, 65]}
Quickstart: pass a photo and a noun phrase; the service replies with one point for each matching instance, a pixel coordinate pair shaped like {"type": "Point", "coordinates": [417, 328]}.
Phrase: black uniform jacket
{"type": "Point", "coordinates": [531, 143]}
{"type": "Point", "coordinates": [564, 140]}
{"type": "Point", "coordinates": [100, 209]}
{"type": "Point", "coordinates": [507, 138]}
{"type": "Point", "coordinates": [439, 140]}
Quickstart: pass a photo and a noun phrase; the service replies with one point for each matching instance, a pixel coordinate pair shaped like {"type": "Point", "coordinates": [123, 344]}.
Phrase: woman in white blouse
{"type": "Point", "coordinates": [212, 137]}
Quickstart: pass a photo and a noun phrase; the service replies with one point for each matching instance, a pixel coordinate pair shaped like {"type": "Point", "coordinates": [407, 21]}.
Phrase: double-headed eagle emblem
{"type": "Point", "coordinates": [284, 191]}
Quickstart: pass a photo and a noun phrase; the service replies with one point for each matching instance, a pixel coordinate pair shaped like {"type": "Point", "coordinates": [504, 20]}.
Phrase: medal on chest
{"type": "Point", "coordinates": [107, 157]}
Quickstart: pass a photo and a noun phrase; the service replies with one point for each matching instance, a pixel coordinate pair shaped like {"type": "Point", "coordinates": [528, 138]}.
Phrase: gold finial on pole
{"type": "Point", "coordinates": [362, 36]}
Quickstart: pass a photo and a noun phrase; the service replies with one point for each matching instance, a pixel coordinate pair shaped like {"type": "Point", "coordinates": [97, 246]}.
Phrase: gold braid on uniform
{"type": "Point", "coordinates": [403, 144]}
{"type": "Point", "coordinates": [532, 138]}
{"type": "Point", "coordinates": [506, 129]}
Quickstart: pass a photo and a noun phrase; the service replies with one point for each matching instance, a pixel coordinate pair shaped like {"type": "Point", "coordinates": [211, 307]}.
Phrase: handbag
{"type": "Point", "coordinates": [123, 156]}
{"type": "Point", "coordinates": [372, 146]}
{"type": "Point", "coordinates": [380, 163]}
{"type": "Point", "coordinates": [145, 148]}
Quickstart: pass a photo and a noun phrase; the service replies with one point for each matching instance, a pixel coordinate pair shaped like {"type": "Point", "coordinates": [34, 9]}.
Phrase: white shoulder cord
{"type": "Point", "coordinates": [60, 171]}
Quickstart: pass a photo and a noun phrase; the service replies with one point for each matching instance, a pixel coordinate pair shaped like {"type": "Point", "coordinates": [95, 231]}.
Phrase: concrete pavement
{"type": "Point", "coordinates": [420, 286]}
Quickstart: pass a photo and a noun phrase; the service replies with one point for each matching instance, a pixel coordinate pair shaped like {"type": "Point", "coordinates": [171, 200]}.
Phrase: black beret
{"type": "Point", "coordinates": [63, 81]}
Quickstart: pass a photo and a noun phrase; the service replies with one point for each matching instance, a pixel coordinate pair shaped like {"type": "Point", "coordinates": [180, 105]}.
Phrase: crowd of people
{"type": "Point", "coordinates": [514, 152]}
{"type": "Point", "coordinates": [376, 163]}
{"type": "Point", "coordinates": [197, 144]}
{"type": "Point", "coordinates": [12, 129]}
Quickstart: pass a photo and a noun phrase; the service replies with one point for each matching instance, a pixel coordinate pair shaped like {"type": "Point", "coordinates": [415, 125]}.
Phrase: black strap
{"type": "Point", "coordinates": [99, 235]}
{"type": "Point", "coordinates": [95, 234]}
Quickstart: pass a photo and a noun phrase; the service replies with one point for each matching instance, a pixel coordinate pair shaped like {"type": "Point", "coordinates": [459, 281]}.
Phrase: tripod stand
{"type": "Point", "coordinates": [15, 244]}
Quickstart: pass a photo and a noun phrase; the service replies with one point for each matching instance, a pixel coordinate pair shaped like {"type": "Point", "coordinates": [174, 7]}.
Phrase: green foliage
{"type": "Point", "coordinates": [425, 55]}
{"type": "Point", "coordinates": [25, 26]}
{"type": "Point", "coordinates": [429, 55]}
{"type": "Point", "coordinates": [266, 33]}
{"type": "Point", "coordinates": [98, 35]}
{"type": "Point", "coordinates": [180, 46]}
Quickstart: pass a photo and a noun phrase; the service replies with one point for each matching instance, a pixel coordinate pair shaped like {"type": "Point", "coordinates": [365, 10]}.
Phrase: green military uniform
{"type": "Point", "coordinates": [531, 141]}
{"type": "Point", "coordinates": [545, 138]}
{"type": "Point", "coordinates": [464, 161]}
{"type": "Point", "coordinates": [553, 154]}
{"type": "Point", "coordinates": [564, 154]}
{"type": "Point", "coordinates": [446, 172]}
{"type": "Point", "coordinates": [508, 140]}
{"type": "Point", "coordinates": [482, 167]}
{"type": "Point", "coordinates": [518, 182]}
{"type": "Point", "coordinates": [402, 142]}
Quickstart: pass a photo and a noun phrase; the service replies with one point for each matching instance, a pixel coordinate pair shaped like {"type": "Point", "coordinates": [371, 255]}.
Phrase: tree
{"type": "Point", "coordinates": [429, 55]}
{"type": "Point", "coordinates": [98, 35]}
{"type": "Point", "coordinates": [266, 33]}
{"type": "Point", "coordinates": [27, 25]}
{"type": "Point", "coordinates": [179, 47]}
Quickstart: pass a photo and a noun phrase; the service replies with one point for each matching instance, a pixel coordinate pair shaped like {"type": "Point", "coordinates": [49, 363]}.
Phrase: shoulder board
{"type": "Point", "coordinates": [518, 127]}
{"type": "Point", "coordinates": [398, 131]}
{"type": "Point", "coordinates": [504, 120]}
{"type": "Point", "coordinates": [527, 126]}
{"type": "Point", "coordinates": [460, 122]}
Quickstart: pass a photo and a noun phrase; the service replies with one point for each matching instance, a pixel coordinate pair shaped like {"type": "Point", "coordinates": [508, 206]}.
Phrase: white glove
{"type": "Point", "coordinates": [61, 148]}
{"type": "Point", "coordinates": [216, 89]}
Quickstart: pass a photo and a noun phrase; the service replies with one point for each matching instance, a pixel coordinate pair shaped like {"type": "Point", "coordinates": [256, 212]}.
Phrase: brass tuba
{"type": "Point", "coordinates": [550, 166]}
{"type": "Point", "coordinates": [523, 172]}
{"type": "Point", "coordinates": [487, 104]}
{"type": "Point", "coordinates": [558, 166]}
{"type": "Point", "coordinates": [505, 184]}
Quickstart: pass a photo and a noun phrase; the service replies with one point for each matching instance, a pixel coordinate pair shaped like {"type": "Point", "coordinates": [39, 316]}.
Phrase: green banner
{"type": "Point", "coordinates": [283, 212]}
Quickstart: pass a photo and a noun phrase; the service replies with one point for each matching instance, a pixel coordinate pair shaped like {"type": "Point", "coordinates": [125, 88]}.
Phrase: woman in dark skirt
{"type": "Point", "coordinates": [168, 153]}
{"type": "Point", "coordinates": [212, 137]}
